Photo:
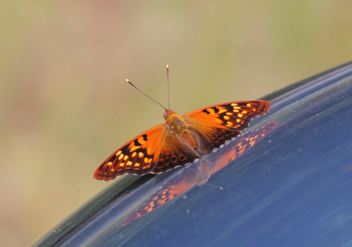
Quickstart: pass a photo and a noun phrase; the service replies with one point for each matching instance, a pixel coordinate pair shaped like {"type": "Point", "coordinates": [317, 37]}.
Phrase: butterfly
{"type": "Point", "coordinates": [178, 141]}
{"type": "Point", "coordinates": [175, 142]}
{"type": "Point", "coordinates": [180, 183]}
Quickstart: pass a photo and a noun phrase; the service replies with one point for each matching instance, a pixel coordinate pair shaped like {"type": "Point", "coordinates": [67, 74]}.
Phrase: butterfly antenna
{"type": "Point", "coordinates": [194, 200]}
{"type": "Point", "coordinates": [168, 86]}
{"type": "Point", "coordinates": [144, 93]}
{"type": "Point", "coordinates": [215, 186]}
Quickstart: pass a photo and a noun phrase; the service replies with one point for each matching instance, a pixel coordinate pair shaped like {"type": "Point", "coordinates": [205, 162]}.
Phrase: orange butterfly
{"type": "Point", "coordinates": [176, 142]}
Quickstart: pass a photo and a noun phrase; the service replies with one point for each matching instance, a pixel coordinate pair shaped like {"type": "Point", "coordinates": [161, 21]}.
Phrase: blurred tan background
{"type": "Point", "coordinates": [65, 105]}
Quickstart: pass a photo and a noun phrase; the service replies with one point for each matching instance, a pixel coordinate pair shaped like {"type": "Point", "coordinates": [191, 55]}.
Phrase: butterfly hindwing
{"type": "Point", "coordinates": [175, 152]}
{"type": "Point", "coordinates": [138, 156]}
{"type": "Point", "coordinates": [209, 138]}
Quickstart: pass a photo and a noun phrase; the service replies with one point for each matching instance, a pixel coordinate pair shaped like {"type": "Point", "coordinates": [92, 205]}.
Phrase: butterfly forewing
{"type": "Point", "coordinates": [212, 126]}
{"type": "Point", "coordinates": [231, 115]}
{"type": "Point", "coordinates": [138, 156]}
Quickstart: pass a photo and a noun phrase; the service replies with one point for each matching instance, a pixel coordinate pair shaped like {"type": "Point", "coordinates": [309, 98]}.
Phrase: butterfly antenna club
{"type": "Point", "coordinates": [144, 93]}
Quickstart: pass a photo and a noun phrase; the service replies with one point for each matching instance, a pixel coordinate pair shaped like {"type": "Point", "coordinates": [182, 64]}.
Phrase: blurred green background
{"type": "Point", "coordinates": [65, 105]}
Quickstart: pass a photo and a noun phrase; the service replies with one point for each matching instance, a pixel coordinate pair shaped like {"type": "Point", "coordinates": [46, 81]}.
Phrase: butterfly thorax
{"type": "Point", "coordinates": [180, 127]}
{"type": "Point", "coordinates": [176, 123]}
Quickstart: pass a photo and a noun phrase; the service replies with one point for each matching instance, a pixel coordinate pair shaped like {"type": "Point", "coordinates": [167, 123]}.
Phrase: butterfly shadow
{"type": "Point", "coordinates": [199, 173]}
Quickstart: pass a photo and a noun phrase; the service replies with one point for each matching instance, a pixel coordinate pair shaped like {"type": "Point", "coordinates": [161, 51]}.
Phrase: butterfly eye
{"type": "Point", "coordinates": [168, 113]}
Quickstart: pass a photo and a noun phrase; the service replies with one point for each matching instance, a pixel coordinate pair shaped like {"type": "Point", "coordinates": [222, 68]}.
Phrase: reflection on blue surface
{"type": "Point", "coordinates": [199, 173]}
{"type": "Point", "coordinates": [293, 188]}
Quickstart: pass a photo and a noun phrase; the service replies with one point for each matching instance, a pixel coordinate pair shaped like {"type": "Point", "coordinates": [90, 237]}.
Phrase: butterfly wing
{"type": "Point", "coordinates": [175, 152]}
{"type": "Point", "coordinates": [212, 126]}
{"type": "Point", "coordinates": [138, 156]}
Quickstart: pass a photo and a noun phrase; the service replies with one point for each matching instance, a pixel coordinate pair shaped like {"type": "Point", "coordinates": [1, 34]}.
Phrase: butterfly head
{"type": "Point", "coordinates": [168, 113]}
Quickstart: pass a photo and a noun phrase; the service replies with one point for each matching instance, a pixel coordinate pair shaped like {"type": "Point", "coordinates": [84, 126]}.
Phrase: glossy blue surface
{"type": "Point", "coordinates": [291, 187]}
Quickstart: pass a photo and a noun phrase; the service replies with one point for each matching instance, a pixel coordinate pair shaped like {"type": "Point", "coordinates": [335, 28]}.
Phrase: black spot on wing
{"type": "Point", "coordinates": [136, 143]}
{"type": "Point", "coordinates": [206, 111]}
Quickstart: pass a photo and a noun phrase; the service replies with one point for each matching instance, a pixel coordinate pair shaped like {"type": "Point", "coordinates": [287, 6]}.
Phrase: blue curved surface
{"type": "Point", "coordinates": [290, 187]}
